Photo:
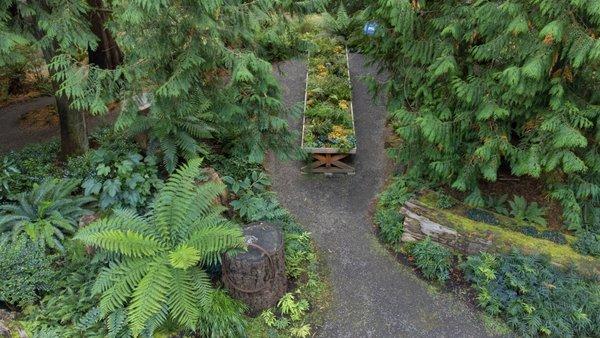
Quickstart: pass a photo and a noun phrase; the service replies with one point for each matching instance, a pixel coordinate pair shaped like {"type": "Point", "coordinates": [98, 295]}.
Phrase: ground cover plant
{"type": "Point", "coordinates": [534, 297]}
{"type": "Point", "coordinates": [328, 121]}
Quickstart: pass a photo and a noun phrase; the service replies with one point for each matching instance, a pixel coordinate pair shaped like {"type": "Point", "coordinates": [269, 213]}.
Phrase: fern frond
{"type": "Point", "coordinates": [149, 296]}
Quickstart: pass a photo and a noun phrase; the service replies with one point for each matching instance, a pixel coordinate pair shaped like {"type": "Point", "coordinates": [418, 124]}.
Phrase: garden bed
{"type": "Point", "coordinates": [328, 132]}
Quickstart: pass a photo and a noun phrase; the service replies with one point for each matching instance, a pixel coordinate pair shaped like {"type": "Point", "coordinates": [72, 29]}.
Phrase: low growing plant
{"type": "Point", "coordinates": [121, 181]}
{"type": "Point", "coordinates": [254, 202]}
{"type": "Point", "coordinates": [47, 213]}
{"type": "Point", "coordinates": [483, 216]}
{"type": "Point", "coordinates": [497, 204]}
{"type": "Point", "coordinates": [588, 243]}
{"type": "Point", "coordinates": [533, 296]}
{"type": "Point", "coordinates": [27, 271]}
{"type": "Point", "coordinates": [531, 212]}
{"type": "Point", "coordinates": [158, 271]}
{"type": "Point", "coordinates": [432, 259]}
{"type": "Point", "coordinates": [390, 223]}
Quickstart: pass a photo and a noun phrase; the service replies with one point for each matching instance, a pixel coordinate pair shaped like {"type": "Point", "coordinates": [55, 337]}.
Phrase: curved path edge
{"type": "Point", "coordinates": [373, 295]}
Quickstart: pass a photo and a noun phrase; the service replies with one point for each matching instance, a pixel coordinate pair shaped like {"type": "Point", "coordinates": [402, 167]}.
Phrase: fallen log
{"type": "Point", "coordinates": [451, 228]}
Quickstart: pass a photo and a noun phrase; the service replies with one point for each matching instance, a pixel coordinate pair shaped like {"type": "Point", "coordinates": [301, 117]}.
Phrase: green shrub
{"type": "Point", "coordinates": [26, 271]}
{"type": "Point", "coordinates": [157, 270]}
{"type": "Point", "coordinates": [390, 223]}
{"type": "Point", "coordinates": [445, 201]}
{"type": "Point", "coordinates": [47, 213]}
{"type": "Point", "coordinates": [223, 318]}
{"type": "Point", "coordinates": [121, 180]}
{"type": "Point", "coordinates": [433, 259]}
{"type": "Point", "coordinates": [279, 39]}
{"type": "Point", "coordinates": [397, 193]}
{"type": "Point", "coordinates": [340, 24]}
{"type": "Point", "coordinates": [533, 296]}
{"type": "Point", "coordinates": [531, 212]}
{"type": "Point", "coordinates": [588, 243]}
{"type": "Point", "coordinates": [253, 202]}
{"type": "Point", "coordinates": [299, 256]}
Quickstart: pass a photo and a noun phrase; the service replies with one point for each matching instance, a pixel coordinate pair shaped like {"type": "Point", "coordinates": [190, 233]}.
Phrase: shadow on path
{"type": "Point", "coordinates": [14, 137]}
{"type": "Point", "coordinates": [374, 296]}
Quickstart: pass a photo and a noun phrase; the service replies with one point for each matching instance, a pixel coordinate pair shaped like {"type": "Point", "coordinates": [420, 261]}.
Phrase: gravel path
{"type": "Point", "coordinates": [374, 296]}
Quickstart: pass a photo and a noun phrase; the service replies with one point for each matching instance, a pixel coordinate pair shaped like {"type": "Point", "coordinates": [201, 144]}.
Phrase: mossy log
{"type": "Point", "coordinates": [257, 276]}
{"type": "Point", "coordinates": [453, 229]}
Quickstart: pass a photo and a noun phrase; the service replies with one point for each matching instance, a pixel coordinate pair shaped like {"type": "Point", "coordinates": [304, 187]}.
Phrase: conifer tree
{"type": "Point", "coordinates": [189, 79]}
{"type": "Point", "coordinates": [58, 28]}
{"type": "Point", "coordinates": [476, 85]}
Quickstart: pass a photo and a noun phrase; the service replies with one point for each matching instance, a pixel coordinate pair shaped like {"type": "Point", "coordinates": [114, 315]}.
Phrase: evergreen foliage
{"type": "Point", "coordinates": [158, 271]}
{"type": "Point", "coordinates": [46, 214]}
{"type": "Point", "coordinates": [476, 85]}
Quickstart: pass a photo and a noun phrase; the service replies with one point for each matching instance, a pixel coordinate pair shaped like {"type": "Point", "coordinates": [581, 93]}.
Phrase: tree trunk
{"type": "Point", "coordinates": [73, 129]}
{"type": "Point", "coordinates": [107, 54]}
{"type": "Point", "coordinates": [257, 277]}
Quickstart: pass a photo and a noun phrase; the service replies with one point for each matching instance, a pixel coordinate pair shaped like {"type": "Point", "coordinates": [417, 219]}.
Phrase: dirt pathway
{"type": "Point", "coordinates": [374, 296]}
{"type": "Point", "coordinates": [14, 137]}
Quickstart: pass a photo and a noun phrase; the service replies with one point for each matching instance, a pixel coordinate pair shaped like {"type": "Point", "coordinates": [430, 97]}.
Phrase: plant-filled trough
{"type": "Point", "coordinates": [328, 133]}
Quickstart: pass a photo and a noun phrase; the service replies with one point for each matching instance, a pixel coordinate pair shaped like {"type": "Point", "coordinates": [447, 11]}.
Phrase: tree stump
{"type": "Point", "coordinates": [257, 276]}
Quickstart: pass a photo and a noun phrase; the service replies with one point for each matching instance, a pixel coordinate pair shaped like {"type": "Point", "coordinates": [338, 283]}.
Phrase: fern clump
{"type": "Point", "coordinates": [158, 271]}
{"type": "Point", "coordinates": [432, 259]}
{"type": "Point", "coordinates": [47, 213]}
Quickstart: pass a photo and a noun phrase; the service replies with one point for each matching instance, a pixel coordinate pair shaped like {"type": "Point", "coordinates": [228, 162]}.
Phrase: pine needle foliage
{"type": "Point", "coordinates": [479, 84]}
{"type": "Point", "coordinates": [158, 273]}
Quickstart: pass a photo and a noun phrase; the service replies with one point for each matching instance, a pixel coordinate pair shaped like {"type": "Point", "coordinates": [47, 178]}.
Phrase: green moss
{"type": "Point", "coordinates": [504, 239]}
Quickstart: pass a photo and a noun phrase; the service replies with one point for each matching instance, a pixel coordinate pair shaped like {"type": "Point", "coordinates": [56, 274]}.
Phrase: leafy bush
{"type": "Point", "coordinates": [161, 255]}
{"type": "Point", "coordinates": [533, 296]}
{"type": "Point", "coordinates": [340, 24]}
{"type": "Point", "coordinates": [34, 164]}
{"type": "Point", "coordinates": [588, 243]}
{"type": "Point", "coordinates": [498, 204]}
{"type": "Point", "coordinates": [47, 213]}
{"type": "Point", "coordinates": [397, 193]}
{"type": "Point", "coordinates": [524, 211]}
{"type": "Point", "coordinates": [390, 223]}
{"type": "Point", "coordinates": [480, 87]}
{"type": "Point", "coordinates": [432, 259]}
{"type": "Point", "coordinates": [121, 181]}
{"type": "Point", "coordinates": [279, 39]}
{"type": "Point", "coordinates": [26, 271]}
{"type": "Point", "coordinates": [299, 256]}
{"type": "Point", "coordinates": [253, 201]}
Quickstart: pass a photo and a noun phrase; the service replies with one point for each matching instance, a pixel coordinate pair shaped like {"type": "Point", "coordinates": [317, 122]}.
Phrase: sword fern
{"type": "Point", "coordinates": [157, 274]}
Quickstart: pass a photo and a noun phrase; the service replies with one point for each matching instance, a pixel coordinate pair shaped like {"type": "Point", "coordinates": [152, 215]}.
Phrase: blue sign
{"type": "Point", "coordinates": [370, 28]}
